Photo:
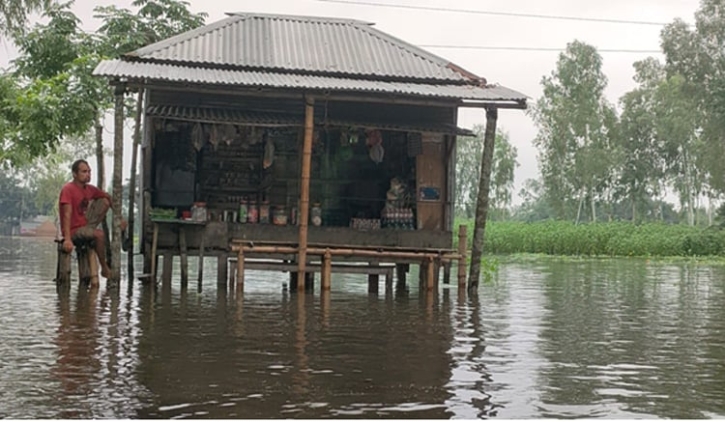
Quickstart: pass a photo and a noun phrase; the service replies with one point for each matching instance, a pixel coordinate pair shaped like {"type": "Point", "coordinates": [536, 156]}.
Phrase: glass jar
{"type": "Point", "coordinates": [252, 213]}
{"type": "Point", "coordinates": [264, 212]}
{"type": "Point", "coordinates": [279, 216]}
{"type": "Point", "coordinates": [243, 210]}
{"type": "Point", "coordinates": [316, 214]}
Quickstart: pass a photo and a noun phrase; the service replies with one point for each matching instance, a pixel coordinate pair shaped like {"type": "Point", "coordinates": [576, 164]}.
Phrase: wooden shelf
{"type": "Point", "coordinates": [211, 190]}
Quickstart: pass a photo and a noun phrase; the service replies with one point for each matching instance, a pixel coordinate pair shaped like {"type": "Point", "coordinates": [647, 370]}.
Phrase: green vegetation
{"type": "Point", "coordinates": [601, 239]}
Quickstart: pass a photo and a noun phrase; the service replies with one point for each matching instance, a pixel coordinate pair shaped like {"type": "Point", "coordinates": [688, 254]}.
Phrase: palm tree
{"type": "Point", "coordinates": [14, 14]}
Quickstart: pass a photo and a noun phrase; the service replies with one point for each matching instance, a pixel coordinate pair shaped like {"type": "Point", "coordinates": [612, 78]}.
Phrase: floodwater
{"type": "Point", "coordinates": [544, 338]}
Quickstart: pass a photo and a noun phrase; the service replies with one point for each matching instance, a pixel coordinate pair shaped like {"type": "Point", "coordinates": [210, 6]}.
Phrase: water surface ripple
{"type": "Point", "coordinates": [545, 338]}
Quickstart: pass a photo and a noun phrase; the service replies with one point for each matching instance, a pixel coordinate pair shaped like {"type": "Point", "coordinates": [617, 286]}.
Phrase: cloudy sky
{"type": "Point", "coordinates": [518, 69]}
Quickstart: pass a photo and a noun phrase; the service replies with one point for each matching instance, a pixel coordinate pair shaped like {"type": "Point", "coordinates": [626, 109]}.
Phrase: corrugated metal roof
{"type": "Point", "coordinates": [225, 115]}
{"type": "Point", "coordinates": [303, 44]}
{"type": "Point", "coordinates": [176, 73]}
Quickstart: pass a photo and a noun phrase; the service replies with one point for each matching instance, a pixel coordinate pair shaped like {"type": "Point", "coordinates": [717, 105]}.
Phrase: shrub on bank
{"type": "Point", "coordinates": [603, 239]}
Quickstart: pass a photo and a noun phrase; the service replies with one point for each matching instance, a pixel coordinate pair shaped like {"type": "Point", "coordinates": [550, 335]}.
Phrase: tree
{"type": "Point", "coordinates": [576, 132]}
{"type": "Point", "coordinates": [50, 95]}
{"type": "Point", "coordinates": [643, 166]}
{"type": "Point", "coordinates": [469, 150]}
{"type": "Point", "coordinates": [15, 203]}
{"type": "Point", "coordinates": [678, 126]}
{"type": "Point", "coordinates": [502, 174]}
{"type": "Point", "coordinates": [125, 31]}
{"type": "Point", "coordinates": [698, 56]}
{"type": "Point", "coordinates": [534, 206]}
{"type": "Point", "coordinates": [14, 14]}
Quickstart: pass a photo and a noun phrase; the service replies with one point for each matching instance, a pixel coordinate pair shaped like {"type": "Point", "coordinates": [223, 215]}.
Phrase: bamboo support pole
{"type": "Point", "coordinates": [373, 280]}
{"type": "Point", "coordinates": [154, 259]}
{"type": "Point", "coordinates": [240, 269]}
{"type": "Point", "coordinates": [401, 273]}
{"type": "Point", "coordinates": [430, 274]}
{"type": "Point", "coordinates": [462, 240]}
{"type": "Point", "coordinates": [305, 191]}
{"type": "Point", "coordinates": [183, 258]}
{"type": "Point", "coordinates": [201, 261]}
{"type": "Point", "coordinates": [222, 267]}
{"type": "Point", "coordinates": [168, 268]}
{"type": "Point", "coordinates": [326, 271]}
{"type": "Point", "coordinates": [482, 203]}
{"type": "Point", "coordinates": [447, 273]}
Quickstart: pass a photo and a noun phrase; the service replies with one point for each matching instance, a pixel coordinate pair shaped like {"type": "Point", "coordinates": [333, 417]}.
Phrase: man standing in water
{"type": "Point", "coordinates": [78, 219]}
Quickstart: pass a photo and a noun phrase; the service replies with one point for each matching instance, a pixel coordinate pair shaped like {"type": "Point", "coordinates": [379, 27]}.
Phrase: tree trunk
{"type": "Point", "coordinates": [484, 186]}
{"type": "Point", "coordinates": [594, 206]}
{"type": "Point", "coordinates": [117, 183]}
{"type": "Point", "coordinates": [132, 181]}
{"type": "Point", "coordinates": [579, 208]}
{"type": "Point", "coordinates": [101, 177]}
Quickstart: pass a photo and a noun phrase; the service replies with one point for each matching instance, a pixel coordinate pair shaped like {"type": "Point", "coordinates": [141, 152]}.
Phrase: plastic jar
{"type": "Point", "coordinates": [279, 216]}
{"type": "Point", "coordinates": [316, 214]}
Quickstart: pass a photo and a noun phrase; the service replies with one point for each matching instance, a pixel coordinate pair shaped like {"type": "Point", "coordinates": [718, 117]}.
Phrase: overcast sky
{"type": "Point", "coordinates": [520, 70]}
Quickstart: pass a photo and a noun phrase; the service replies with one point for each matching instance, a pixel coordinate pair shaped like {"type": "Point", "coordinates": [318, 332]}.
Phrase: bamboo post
{"type": "Point", "coordinates": [326, 271]}
{"type": "Point", "coordinates": [183, 259]}
{"type": "Point", "coordinates": [325, 307]}
{"type": "Point", "coordinates": [240, 269]}
{"type": "Point", "coordinates": [462, 240]}
{"type": "Point", "coordinates": [132, 178]}
{"type": "Point", "coordinates": [389, 280]}
{"type": "Point", "coordinates": [446, 273]}
{"type": "Point", "coordinates": [309, 281]}
{"type": "Point", "coordinates": [400, 273]}
{"type": "Point", "coordinates": [422, 271]}
{"type": "Point", "coordinates": [168, 268]}
{"type": "Point", "coordinates": [154, 245]}
{"type": "Point", "coordinates": [221, 269]}
{"type": "Point", "coordinates": [64, 265]}
{"type": "Point", "coordinates": [146, 227]}
{"type": "Point", "coordinates": [484, 186]}
{"type": "Point", "coordinates": [304, 211]}
{"type": "Point", "coordinates": [430, 276]}
{"type": "Point", "coordinates": [115, 246]}
{"type": "Point", "coordinates": [201, 259]}
{"type": "Point", "coordinates": [373, 279]}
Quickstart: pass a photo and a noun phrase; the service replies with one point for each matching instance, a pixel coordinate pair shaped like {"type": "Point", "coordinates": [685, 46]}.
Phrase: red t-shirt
{"type": "Point", "coordinates": [79, 198]}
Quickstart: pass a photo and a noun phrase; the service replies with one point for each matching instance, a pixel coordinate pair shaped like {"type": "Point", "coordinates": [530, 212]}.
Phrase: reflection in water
{"type": "Point", "coordinates": [470, 377]}
{"type": "Point", "coordinates": [626, 341]}
{"type": "Point", "coordinates": [96, 354]}
{"type": "Point", "coordinates": [77, 343]}
{"type": "Point", "coordinates": [609, 338]}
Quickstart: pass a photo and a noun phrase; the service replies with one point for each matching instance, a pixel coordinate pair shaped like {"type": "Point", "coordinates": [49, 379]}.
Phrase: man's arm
{"type": "Point", "coordinates": [100, 194]}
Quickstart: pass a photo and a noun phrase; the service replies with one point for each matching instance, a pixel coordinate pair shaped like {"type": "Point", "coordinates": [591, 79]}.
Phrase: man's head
{"type": "Point", "coordinates": [81, 171]}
